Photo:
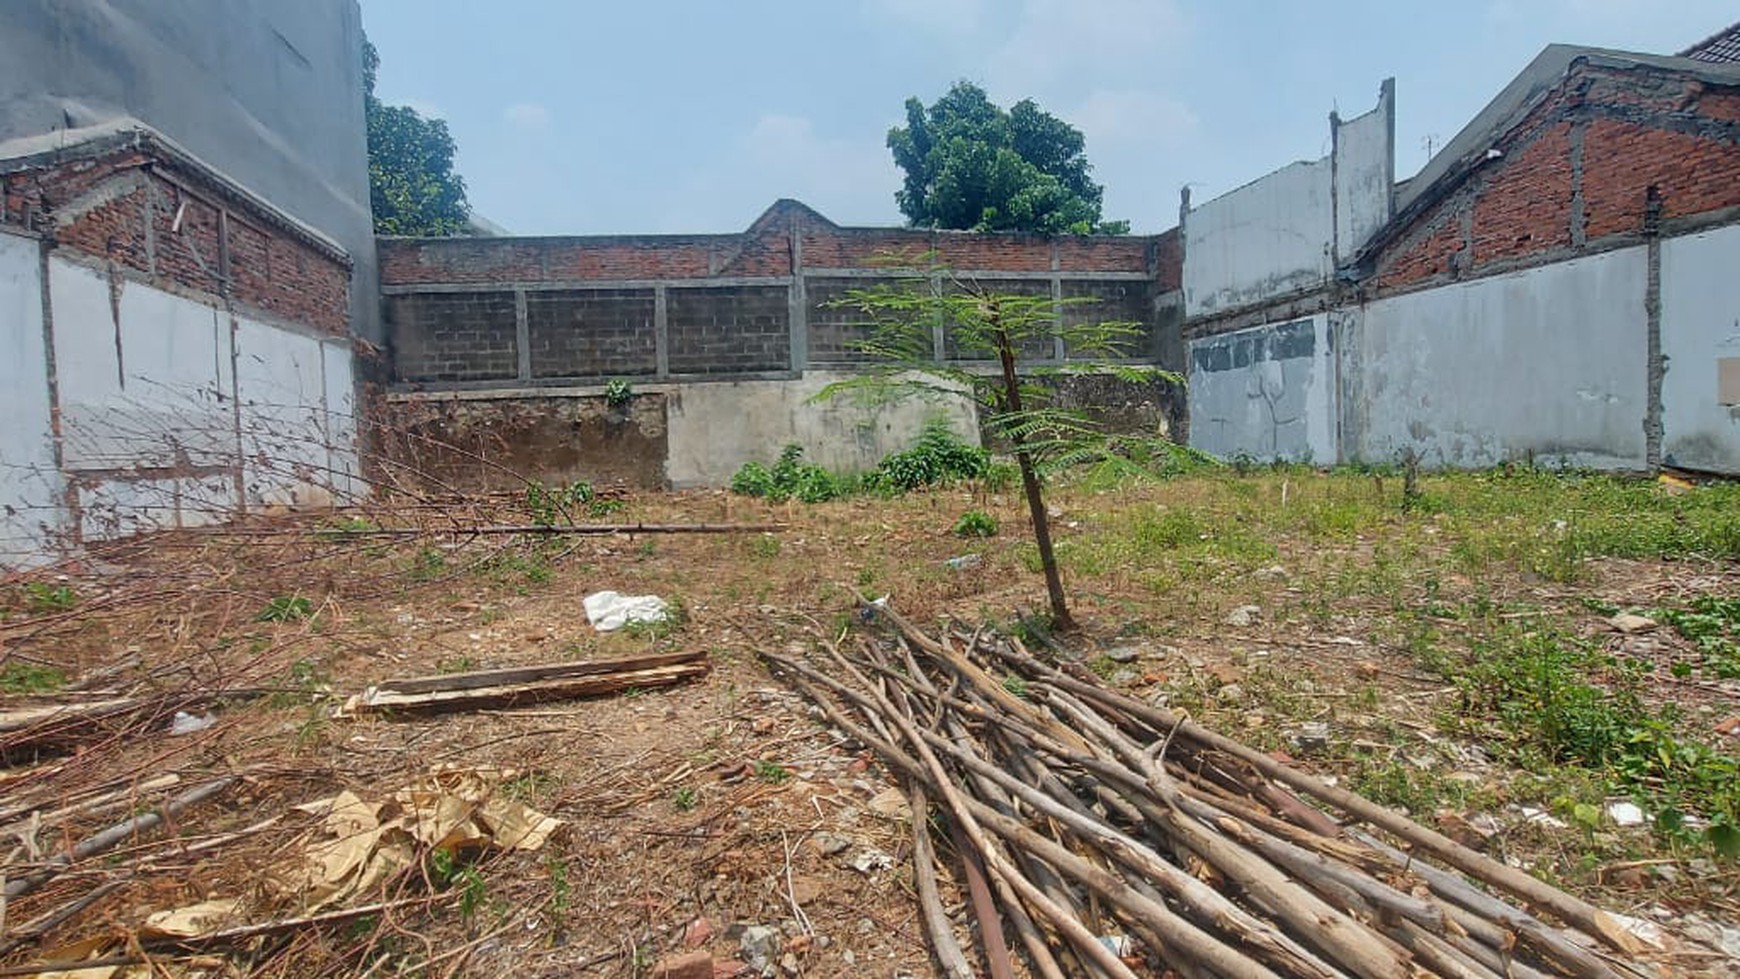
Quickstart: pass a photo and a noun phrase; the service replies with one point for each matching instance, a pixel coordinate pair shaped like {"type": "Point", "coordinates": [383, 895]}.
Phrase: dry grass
{"type": "Point", "coordinates": [692, 802]}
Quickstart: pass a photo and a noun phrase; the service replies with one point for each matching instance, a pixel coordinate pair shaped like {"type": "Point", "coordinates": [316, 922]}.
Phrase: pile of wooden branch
{"type": "Point", "coordinates": [1116, 839]}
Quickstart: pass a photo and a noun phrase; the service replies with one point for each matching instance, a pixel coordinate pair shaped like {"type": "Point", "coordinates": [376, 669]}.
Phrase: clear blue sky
{"type": "Point", "coordinates": [595, 117]}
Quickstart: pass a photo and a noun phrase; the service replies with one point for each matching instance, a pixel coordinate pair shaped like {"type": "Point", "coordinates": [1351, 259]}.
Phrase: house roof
{"type": "Point", "coordinates": [1722, 46]}
{"type": "Point", "coordinates": [1468, 149]}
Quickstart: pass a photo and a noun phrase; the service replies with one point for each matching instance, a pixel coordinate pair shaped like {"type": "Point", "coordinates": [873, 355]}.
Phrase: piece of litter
{"type": "Point", "coordinates": [869, 860]}
{"type": "Point", "coordinates": [191, 921]}
{"type": "Point", "coordinates": [966, 562]}
{"type": "Point", "coordinates": [1625, 813]}
{"type": "Point", "coordinates": [609, 611]}
{"type": "Point", "coordinates": [185, 723]}
{"type": "Point", "coordinates": [1540, 817]}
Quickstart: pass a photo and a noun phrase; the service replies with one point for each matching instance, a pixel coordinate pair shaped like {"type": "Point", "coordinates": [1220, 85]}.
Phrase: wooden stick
{"type": "Point", "coordinates": [487, 530]}
{"type": "Point", "coordinates": [1585, 916]}
{"type": "Point", "coordinates": [112, 837]}
{"type": "Point", "coordinates": [46, 923]}
{"type": "Point", "coordinates": [510, 676]}
{"type": "Point", "coordinates": [936, 921]}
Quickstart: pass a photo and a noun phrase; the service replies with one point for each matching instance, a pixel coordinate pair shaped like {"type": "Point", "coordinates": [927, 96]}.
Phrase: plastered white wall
{"type": "Point", "coordinates": [31, 490]}
{"type": "Point", "coordinates": [1365, 175]}
{"type": "Point", "coordinates": [174, 412]}
{"type": "Point", "coordinates": [1268, 238]}
{"type": "Point", "coordinates": [1547, 363]}
{"type": "Point", "coordinates": [1700, 328]}
{"type": "Point", "coordinates": [1266, 392]}
{"type": "Point", "coordinates": [713, 429]}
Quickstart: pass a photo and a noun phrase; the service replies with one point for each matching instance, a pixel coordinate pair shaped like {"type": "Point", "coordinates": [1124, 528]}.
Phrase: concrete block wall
{"type": "Point", "coordinates": [727, 331]}
{"type": "Point", "coordinates": [745, 305]}
{"type": "Point", "coordinates": [454, 336]}
{"type": "Point", "coordinates": [573, 333]}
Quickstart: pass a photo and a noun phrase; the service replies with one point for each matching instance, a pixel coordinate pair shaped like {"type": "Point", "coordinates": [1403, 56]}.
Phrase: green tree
{"type": "Point", "coordinates": [412, 187]}
{"type": "Point", "coordinates": [901, 320]}
{"type": "Point", "coordinates": [970, 165]}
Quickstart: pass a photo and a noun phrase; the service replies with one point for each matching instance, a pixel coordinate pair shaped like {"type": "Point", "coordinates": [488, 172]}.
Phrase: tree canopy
{"type": "Point", "coordinates": [971, 165]}
{"type": "Point", "coordinates": [412, 187]}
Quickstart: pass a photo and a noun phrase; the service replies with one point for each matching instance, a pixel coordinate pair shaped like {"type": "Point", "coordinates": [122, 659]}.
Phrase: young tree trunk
{"type": "Point", "coordinates": [1060, 617]}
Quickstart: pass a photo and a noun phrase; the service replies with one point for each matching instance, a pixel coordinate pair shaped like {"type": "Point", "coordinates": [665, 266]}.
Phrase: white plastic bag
{"type": "Point", "coordinates": [609, 611]}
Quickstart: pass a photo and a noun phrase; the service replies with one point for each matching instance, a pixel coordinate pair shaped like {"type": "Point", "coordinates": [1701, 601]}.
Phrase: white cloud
{"type": "Point", "coordinates": [822, 171]}
{"type": "Point", "coordinates": [527, 115]}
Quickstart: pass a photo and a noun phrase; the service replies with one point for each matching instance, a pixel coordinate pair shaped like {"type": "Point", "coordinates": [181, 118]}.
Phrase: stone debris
{"type": "Point", "coordinates": [1244, 616]}
{"type": "Point", "coordinates": [1631, 624]}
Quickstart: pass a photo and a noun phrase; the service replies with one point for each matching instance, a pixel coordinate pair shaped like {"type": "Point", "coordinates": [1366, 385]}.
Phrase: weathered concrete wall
{"type": "Point", "coordinates": [176, 413]}
{"type": "Point", "coordinates": [1269, 238]}
{"type": "Point", "coordinates": [1283, 235]}
{"type": "Point", "coordinates": [1267, 392]}
{"type": "Point", "coordinates": [677, 435]}
{"type": "Point", "coordinates": [31, 489]}
{"type": "Point", "coordinates": [1364, 158]}
{"type": "Point", "coordinates": [268, 92]}
{"type": "Point", "coordinates": [716, 428]}
{"type": "Point", "coordinates": [1548, 364]}
{"type": "Point", "coordinates": [1700, 339]}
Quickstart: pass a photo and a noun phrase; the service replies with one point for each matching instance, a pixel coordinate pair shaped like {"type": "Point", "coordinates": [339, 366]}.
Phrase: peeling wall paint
{"type": "Point", "coordinates": [1700, 328]}
{"type": "Point", "coordinates": [1265, 392]}
{"type": "Point", "coordinates": [174, 412]}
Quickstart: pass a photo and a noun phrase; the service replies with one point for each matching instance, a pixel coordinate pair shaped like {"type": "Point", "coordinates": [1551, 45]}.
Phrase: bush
{"type": "Point", "coordinates": [938, 457]}
{"type": "Point", "coordinates": [976, 523]}
{"type": "Point", "coordinates": [790, 478]}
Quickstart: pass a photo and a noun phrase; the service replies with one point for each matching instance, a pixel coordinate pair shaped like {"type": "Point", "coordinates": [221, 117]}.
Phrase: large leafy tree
{"type": "Point", "coordinates": [971, 165]}
{"type": "Point", "coordinates": [412, 187]}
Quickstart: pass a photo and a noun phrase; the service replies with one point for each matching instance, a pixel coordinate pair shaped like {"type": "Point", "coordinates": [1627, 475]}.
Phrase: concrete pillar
{"type": "Point", "coordinates": [661, 333]}
{"type": "Point", "coordinates": [522, 335]}
{"type": "Point", "coordinates": [798, 315]}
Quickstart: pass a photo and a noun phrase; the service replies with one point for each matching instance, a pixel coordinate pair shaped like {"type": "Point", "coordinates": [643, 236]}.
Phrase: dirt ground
{"type": "Point", "coordinates": [695, 813]}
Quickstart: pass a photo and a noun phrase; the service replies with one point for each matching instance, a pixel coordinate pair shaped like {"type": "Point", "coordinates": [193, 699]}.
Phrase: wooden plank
{"type": "Point", "coordinates": [509, 676]}
{"type": "Point", "coordinates": [564, 688]}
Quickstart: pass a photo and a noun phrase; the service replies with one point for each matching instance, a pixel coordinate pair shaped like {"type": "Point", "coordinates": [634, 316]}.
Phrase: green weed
{"type": "Point", "coordinates": [772, 773]}
{"type": "Point", "coordinates": [18, 677]}
{"type": "Point", "coordinates": [286, 608]}
{"type": "Point", "coordinates": [42, 597]}
{"type": "Point", "coordinates": [976, 523]}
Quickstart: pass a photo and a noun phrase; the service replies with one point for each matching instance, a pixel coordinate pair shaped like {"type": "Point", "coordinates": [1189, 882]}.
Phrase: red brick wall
{"type": "Point", "coordinates": [1638, 128]}
{"type": "Point", "coordinates": [120, 208]}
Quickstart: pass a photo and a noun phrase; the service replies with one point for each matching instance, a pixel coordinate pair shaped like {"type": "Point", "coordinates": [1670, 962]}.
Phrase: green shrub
{"type": "Point", "coordinates": [938, 457]}
{"type": "Point", "coordinates": [790, 478]}
{"type": "Point", "coordinates": [618, 393]}
{"type": "Point", "coordinates": [976, 523]}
